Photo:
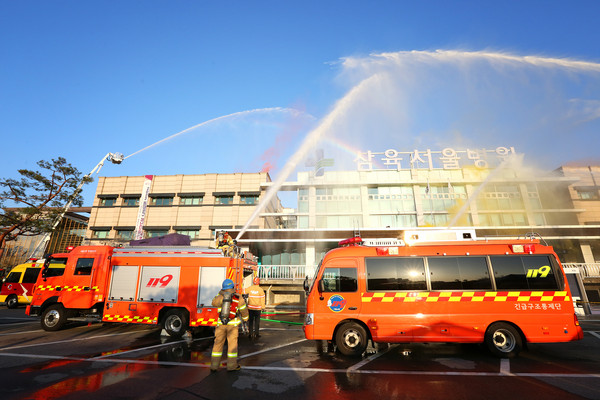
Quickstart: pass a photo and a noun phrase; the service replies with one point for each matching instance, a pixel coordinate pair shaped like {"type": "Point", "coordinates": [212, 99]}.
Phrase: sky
{"type": "Point", "coordinates": [193, 87]}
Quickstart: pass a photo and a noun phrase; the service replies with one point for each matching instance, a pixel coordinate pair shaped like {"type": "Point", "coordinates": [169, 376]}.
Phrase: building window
{"type": "Point", "coordinates": [191, 201]}
{"type": "Point", "coordinates": [192, 233]}
{"type": "Point", "coordinates": [101, 234]}
{"type": "Point", "coordinates": [156, 232]}
{"type": "Point", "coordinates": [224, 200]}
{"type": "Point", "coordinates": [131, 201]}
{"type": "Point", "coordinates": [249, 199]}
{"type": "Point", "coordinates": [125, 234]}
{"type": "Point", "coordinates": [108, 201]}
{"type": "Point", "coordinates": [587, 194]}
{"type": "Point", "coordinates": [161, 201]}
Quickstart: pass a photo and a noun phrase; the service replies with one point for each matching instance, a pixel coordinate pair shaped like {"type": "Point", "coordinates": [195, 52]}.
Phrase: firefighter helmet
{"type": "Point", "coordinates": [228, 284]}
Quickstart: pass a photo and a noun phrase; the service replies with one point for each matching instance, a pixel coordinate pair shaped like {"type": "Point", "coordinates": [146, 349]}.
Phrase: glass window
{"type": "Point", "coordinates": [524, 272]}
{"type": "Point", "coordinates": [131, 201]}
{"type": "Point", "coordinates": [108, 201]}
{"type": "Point", "coordinates": [340, 280]}
{"type": "Point", "coordinates": [156, 232]}
{"type": "Point", "coordinates": [84, 266]}
{"type": "Point", "coordinates": [459, 273]}
{"type": "Point", "coordinates": [191, 201]}
{"type": "Point", "coordinates": [395, 273]}
{"type": "Point", "coordinates": [192, 233]}
{"type": "Point", "coordinates": [13, 277]}
{"type": "Point", "coordinates": [249, 199]}
{"type": "Point", "coordinates": [223, 199]}
{"type": "Point", "coordinates": [161, 201]}
{"type": "Point", "coordinates": [101, 234]}
{"type": "Point", "coordinates": [587, 194]}
{"type": "Point", "coordinates": [31, 275]}
{"type": "Point", "coordinates": [126, 234]}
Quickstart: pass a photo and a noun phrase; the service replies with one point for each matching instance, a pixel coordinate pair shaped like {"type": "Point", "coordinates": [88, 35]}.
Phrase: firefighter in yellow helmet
{"type": "Point", "coordinates": [225, 243]}
{"type": "Point", "coordinates": [230, 307]}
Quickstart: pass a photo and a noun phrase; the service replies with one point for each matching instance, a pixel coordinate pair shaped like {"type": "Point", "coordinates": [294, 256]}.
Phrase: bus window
{"type": "Point", "coordinates": [13, 277]}
{"type": "Point", "coordinates": [462, 273]}
{"type": "Point", "coordinates": [340, 280]}
{"type": "Point", "coordinates": [31, 275]}
{"type": "Point", "coordinates": [524, 272]}
{"type": "Point", "coordinates": [395, 273]}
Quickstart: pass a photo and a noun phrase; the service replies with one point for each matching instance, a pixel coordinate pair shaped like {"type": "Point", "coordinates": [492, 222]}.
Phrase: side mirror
{"type": "Point", "coordinates": [305, 285]}
{"type": "Point", "coordinates": [321, 288]}
{"type": "Point", "coordinates": [45, 268]}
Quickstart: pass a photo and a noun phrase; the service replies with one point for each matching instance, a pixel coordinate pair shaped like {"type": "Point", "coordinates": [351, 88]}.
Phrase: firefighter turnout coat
{"type": "Point", "coordinates": [228, 331]}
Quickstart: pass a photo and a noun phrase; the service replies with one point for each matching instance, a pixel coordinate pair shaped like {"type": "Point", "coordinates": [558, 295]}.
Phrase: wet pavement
{"type": "Point", "coordinates": [106, 361]}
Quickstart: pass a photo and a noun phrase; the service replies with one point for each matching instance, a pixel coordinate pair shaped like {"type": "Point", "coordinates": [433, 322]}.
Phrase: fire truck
{"type": "Point", "coordinates": [167, 286]}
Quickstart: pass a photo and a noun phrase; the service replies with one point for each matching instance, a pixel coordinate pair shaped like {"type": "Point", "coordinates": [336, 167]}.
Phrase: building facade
{"type": "Point", "coordinates": [462, 189]}
{"type": "Point", "coordinates": [193, 205]}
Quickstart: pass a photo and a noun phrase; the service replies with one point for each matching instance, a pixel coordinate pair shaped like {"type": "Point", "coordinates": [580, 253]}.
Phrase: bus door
{"type": "Point", "coordinates": [338, 296]}
{"type": "Point", "coordinates": [393, 300]}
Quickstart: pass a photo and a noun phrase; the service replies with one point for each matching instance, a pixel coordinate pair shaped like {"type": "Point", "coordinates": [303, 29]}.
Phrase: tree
{"type": "Point", "coordinates": [31, 206]}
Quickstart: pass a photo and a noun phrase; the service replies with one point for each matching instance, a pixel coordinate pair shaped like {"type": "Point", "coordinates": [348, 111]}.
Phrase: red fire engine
{"type": "Point", "coordinates": [168, 286]}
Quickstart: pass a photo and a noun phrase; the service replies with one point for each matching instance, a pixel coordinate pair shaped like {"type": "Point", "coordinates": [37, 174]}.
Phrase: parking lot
{"type": "Point", "coordinates": [134, 361]}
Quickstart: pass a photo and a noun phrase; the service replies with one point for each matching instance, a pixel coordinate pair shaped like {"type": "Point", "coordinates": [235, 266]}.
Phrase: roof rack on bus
{"type": "Point", "coordinates": [534, 235]}
{"type": "Point", "coordinates": [439, 235]}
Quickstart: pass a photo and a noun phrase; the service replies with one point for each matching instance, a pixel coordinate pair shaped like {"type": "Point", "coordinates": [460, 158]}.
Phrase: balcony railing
{"type": "Point", "coordinates": [587, 270]}
{"type": "Point", "coordinates": [285, 272]}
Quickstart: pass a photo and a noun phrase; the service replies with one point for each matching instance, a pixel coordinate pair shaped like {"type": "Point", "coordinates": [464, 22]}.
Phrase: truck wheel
{"type": "Point", "coordinates": [351, 339]}
{"type": "Point", "coordinates": [503, 340]}
{"type": "Point", "coordinates": [12, 301]}
{"type": "Point", "coordinates": [53, 318]}
{"type": "Point", "coordinates": [175, 323]}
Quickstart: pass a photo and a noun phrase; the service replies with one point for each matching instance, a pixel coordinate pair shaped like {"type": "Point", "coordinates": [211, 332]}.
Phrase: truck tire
{"type": "Point", "coordinates": [503, 340]}
{"type": "Point", "coordinates": [351, 339]}
{"type": "Point", "coordinates": [12, 301]}
{"type": "Point", "coordinates": [53, 318]}
{"type": "Point", "coordinates": [175, 323]}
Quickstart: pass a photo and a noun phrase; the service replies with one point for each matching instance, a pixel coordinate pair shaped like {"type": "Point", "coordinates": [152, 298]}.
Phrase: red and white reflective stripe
{"type": "Point", "coordinates": [168, 252]}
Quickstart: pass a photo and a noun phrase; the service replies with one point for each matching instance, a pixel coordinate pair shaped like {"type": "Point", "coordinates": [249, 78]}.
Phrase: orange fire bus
{"type": "Point", "coordinates": [504, 293]}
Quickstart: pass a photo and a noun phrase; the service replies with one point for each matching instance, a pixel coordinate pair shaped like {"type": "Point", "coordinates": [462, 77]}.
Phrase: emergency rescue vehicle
{"type": "Point", "coordinates": [168, 286]}
{"type": "Point", "coordinates": [17, 287]}
{"type": "Point", "coordinates": [504, 293]}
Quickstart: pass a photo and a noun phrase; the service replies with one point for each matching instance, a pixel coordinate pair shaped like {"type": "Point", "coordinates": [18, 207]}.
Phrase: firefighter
{"type": "Point", "coordinates": [256, 304]}
{"type": "Point", "coordinates": [225, 243]}
{"type": "Point", "coordinates": [230, 307]}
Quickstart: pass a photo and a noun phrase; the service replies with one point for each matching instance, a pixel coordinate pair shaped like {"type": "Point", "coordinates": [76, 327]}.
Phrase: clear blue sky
{"type": "Point", "coordinates": [80, 79]}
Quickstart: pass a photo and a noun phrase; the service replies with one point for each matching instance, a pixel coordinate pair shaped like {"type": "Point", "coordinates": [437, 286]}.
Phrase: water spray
{"type": "Point", "coordinates": [310, 141]}
{"type": "Point", "coordinates": [223, 117]}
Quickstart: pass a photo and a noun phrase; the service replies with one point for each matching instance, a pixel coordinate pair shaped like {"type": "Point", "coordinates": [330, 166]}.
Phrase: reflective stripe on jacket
{"type": "Point", "coordinates": [238, 302]}
{"type": "Point", "coordinates": [256, 297]}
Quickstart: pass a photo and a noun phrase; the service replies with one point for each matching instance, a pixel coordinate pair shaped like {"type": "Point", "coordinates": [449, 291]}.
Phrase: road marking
{"type": "Point", "coordinates": [19, 333]}
{"type": "Point", "coordinates": [270, 348]}
{"type": "Point", "coordinates": [595, 334]}
{"type": "Point", "coordinates": [370, 358]}
{"type": "Point", "coordinates": [306, 369]}
{"type": "Point", "coordinates": [148, 348]}
{"type": "Point", "coordinates": [505, 366]}
{"type": "Point", "coordinates": [70, 340]}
